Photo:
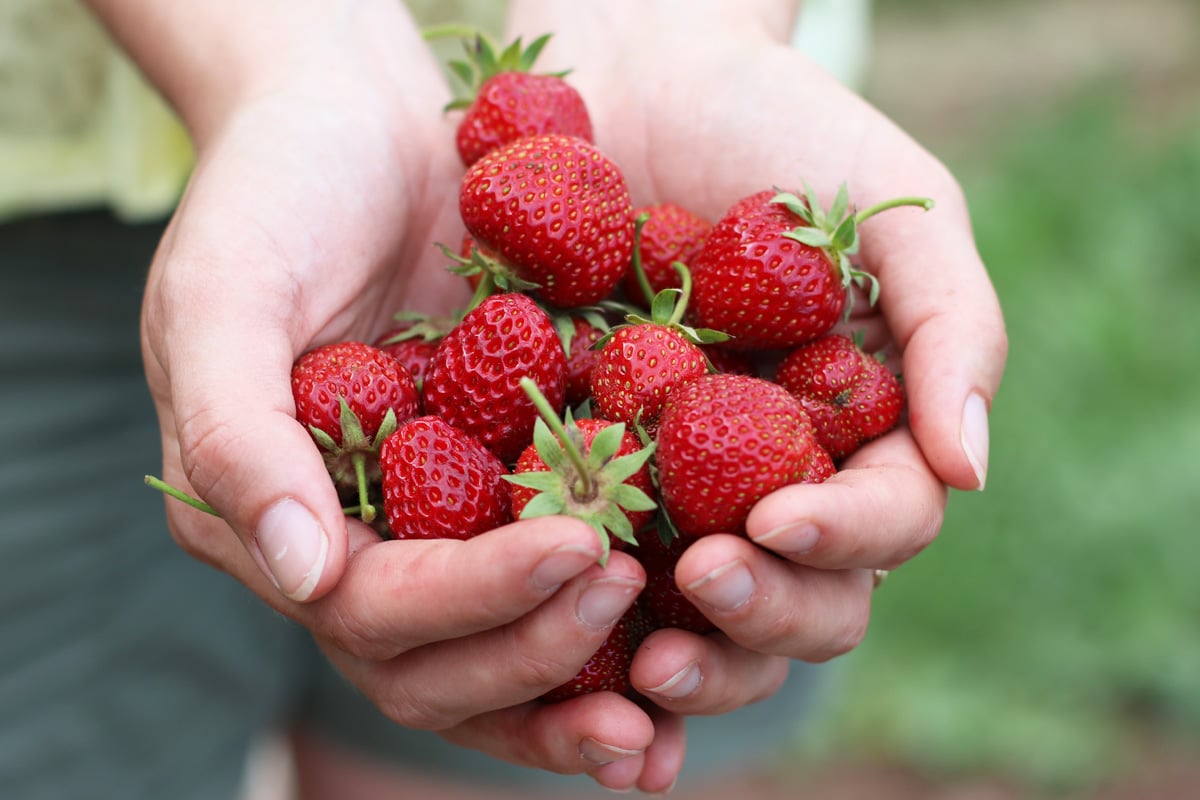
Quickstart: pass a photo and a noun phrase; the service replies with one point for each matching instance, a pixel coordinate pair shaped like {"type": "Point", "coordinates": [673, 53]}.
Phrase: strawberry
{"type": "Point", "coordinates": [775, 270]}
{"type": "Point", "coordinates": [507, 101]}
{"type": "Point", "coordinates": [474, 380]}
{"type": "Point", "coordinates": [671, 233]}
{"type": "Point", "coordinates": [849, 394]}
{"type": "Point", "coordinates": [608, 668]}
{"type": "Point", "coordinates": [662, 601]}
{"type": "Point", "coordinates": [557, 211]}
{"type": "Point", "coordinates": [641, 362]}
{"type": "Point", "coordinates": [413, 341]}
{"type": "Point", "coordinates": [724, 442]}
{"type": "Point", "coordinates": [441, 483]}
{"type": "Point", "coordinates": [351, 396]}
{"type": "Point", "coordinates": [590, 469]}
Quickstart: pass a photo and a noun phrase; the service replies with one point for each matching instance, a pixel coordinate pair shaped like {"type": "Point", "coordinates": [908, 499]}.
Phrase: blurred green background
{"type": "Point", "coordinates": [1052, 633]}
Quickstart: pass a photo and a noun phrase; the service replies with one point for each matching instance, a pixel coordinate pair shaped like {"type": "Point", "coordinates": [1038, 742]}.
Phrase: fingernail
{"type": "Point", "coordinates": [726, 588]}
{"type": "Point", "coordinates": [603, 603]}
{"type": "Point", "coordinates": [974, 436]}
{"type": "Point", "coordinates": [794, 538]}
{"type": "Point", "coordinates": [681, 684]}
{"type": "Point", "coordinates": [599, 754]}
{"type": "Point", "coordinates": [560, 566]}
{"type": "Point", "coordinates": [293, 547]}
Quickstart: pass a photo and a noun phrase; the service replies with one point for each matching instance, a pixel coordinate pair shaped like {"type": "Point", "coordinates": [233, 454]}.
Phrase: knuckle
{"type": "Point", "coordinates": [413, 711]}
{"type": "Point", "coordinates": [355, 634]}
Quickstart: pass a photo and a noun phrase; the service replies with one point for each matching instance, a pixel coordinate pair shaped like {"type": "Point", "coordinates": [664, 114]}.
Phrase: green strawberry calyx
{"type": "Point", "coordinates": [589, 486]}
{"type": "Point", "coordinates": [355, 462]}
{"type": "Point", "coordinates": [484, 60]}
{"type": "Point", "coordinates": [494, 275]}
{"type": "Point", "coordinates": [836, 231]}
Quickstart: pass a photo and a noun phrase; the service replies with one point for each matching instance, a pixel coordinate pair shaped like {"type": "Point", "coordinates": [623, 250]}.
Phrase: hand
{"type": "Point", "coordinates": [703, 108]}
{"type": "Point", "coordinates": [325, 173]}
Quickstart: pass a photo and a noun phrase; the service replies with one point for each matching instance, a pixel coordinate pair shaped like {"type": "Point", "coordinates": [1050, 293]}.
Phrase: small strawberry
{"type": "Point", "coordinates": [441, 483]}
{"type": "Point", "coordinates": [849, 394]}
{"type": "Point", "coordinates": [474, 380]}
{"type": "Point", "coordinates": [724, 442]}
{"type": "Point", "coordinates": [507, 101]}
{"type": "Point", "coordinates": [775, 271]}
{"type": "Point", "coordinates": [351, 396]}
{"type": "Point", "coordinates": [642, 362]}
{"type": "Point", "coordinates": [608, 668]}
{"type": "Point", "coordinates": [671, 233]}
{"type": "Point", "coordinates": [557, 211]}
{"type": "Point", "coordinates": [412, 342]}
{"type": "Point", "coordinates": [662, 601]}
{"type": "Point", "coordinates": [590, 469]}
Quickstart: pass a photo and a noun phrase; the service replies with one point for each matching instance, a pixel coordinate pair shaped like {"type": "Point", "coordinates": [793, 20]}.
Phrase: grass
{"type": "Point", "coordinates": [1058, 613]}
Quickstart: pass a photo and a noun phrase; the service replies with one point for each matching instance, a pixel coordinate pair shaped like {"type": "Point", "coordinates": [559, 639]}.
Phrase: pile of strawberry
{"type": "Point", "coordinates": [607, 366]}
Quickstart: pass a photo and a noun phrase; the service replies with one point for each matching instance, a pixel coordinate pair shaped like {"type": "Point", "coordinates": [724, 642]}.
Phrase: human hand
{"type": "Point", "coordinates": [702, 106]}
{"type": "Point", "coordinates": [325, 173]}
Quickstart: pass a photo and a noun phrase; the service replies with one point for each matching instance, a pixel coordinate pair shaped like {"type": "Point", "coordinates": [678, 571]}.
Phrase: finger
{"type": "Point", "coordinates": [941, 306]}
{"type": "Point", "coordinates": [704, 675]}
{"type": "Point", "coordinates": [571, 738]}
{"type": "Point", "coordinates": [381, 606]}
{"type": "Point", "coordinates": [767, 604]}
{"type": "Point", "coordinates": [881, 509]}
{"type": "Point", "coordinates": [655, 770]}
{"type": "Point", "coordinates": [438, 686]}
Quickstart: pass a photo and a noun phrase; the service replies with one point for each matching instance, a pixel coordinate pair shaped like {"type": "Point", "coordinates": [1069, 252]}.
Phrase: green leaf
{"type": "Point", "coordinates": [538, 481]}
{"type": "Point", "coordinates": [386, 429]}
{"type": "Point", "coordinates": [663, 305]}
{"type": "Point", "coordinates": [813, 237]}
{"type": "Point", "coordinates": [615, 522]}
{"type": "Point", "coordinates": [623, 468]}
{"type": "Point", "coordinates": [530, 56]}
{"type": "Point", "coordinates": [323, 439]}
{"type": "Point", "coordinates": [845, 236]}
{"type": "Point", "coordinates": [794, 204]}
{"type": "Point", "coordinates": [605, 445]}
{"type": "Point", "coordinates": [543, 505]}
{"type": "Point", "coordinates": [548, 446]}
{"type": "Point", "coordinates": [631, 498]}
{"type": "Point", "coordinates": [841, 203]}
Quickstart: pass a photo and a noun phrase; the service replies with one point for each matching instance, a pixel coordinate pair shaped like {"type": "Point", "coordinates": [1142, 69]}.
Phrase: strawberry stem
{"type": "Point", "coordinates": [556, 426]}
{"type": "Point", "coordinates": [638, 270]}
{"type": "Point", "coordinates": [366, 510]}
{"type": "Point", "coordinates": [183, 497]}
{"type": "Point", "coordinates": [685, 293]}
{"type": "Point", "coordinates": [922, 202]}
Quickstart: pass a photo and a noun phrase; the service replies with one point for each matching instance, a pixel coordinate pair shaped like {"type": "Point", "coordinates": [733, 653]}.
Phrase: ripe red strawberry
{"type": "Point", "coordinates": [350, 396]}
{"type": "Point", "coordinates": [474, 380]}
{"type": "Point", "coordinates": [608, 668]}
{"type": "Point", "coordinates": [724, 442]}
{"type": "Point", "coordinates": [441, 483]}
{"type": "Point", "coordinates": [557, 211]}
{"type": "Point", "coordinates": [671, 233]}
{"type": "Point", "coordinates": [509, 102]}
{"type": "Point", "coordinates": [662, 601]}
{"type": "Point", "coordinates": [590, 469]}
{"type": "Point", "coordinates": [638, 367]}
{"type": "Point", "coordinates": [849, 394]}
{"type": "Point", "coordinates": [775, 271]}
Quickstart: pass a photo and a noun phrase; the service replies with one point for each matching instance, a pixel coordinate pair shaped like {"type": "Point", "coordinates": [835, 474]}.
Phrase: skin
{"type": "Point", "coordinates": [325, 172]}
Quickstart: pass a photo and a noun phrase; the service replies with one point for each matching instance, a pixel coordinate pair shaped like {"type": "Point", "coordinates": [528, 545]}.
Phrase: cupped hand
{"type": "Point", "coordinates": [318, 194]}
{"type": "Point", "coordinates": [707, 106]}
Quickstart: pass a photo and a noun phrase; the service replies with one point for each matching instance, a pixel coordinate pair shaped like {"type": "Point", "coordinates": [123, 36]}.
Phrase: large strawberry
{"type": "Point", "coordinates": [671, 233]}
{"type": "Point", "coordinates": [441, 483]}
{"type": "Point", "coordinates": [474, 380]}
{"type": "Point", "coordinates": [775, 270]}
{"type": "Point", "coordinates": [350, 396]}
{"type": "Point", "coordinates": [849, 394]}
{"type": "Point", "coordinates": [608, 668]}
{"type": "Point", "coordinates": [590, 469]}
{"type": "Point", "coordinates": [724, 442]}
{"type": "Point", "coordinates": [507, 101]}
{"type": "Point", "coordinates": [555, 209]}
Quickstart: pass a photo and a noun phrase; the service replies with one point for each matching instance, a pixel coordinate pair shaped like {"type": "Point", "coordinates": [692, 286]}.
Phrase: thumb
{"type": "Point", "coordinates": [223, 388]}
